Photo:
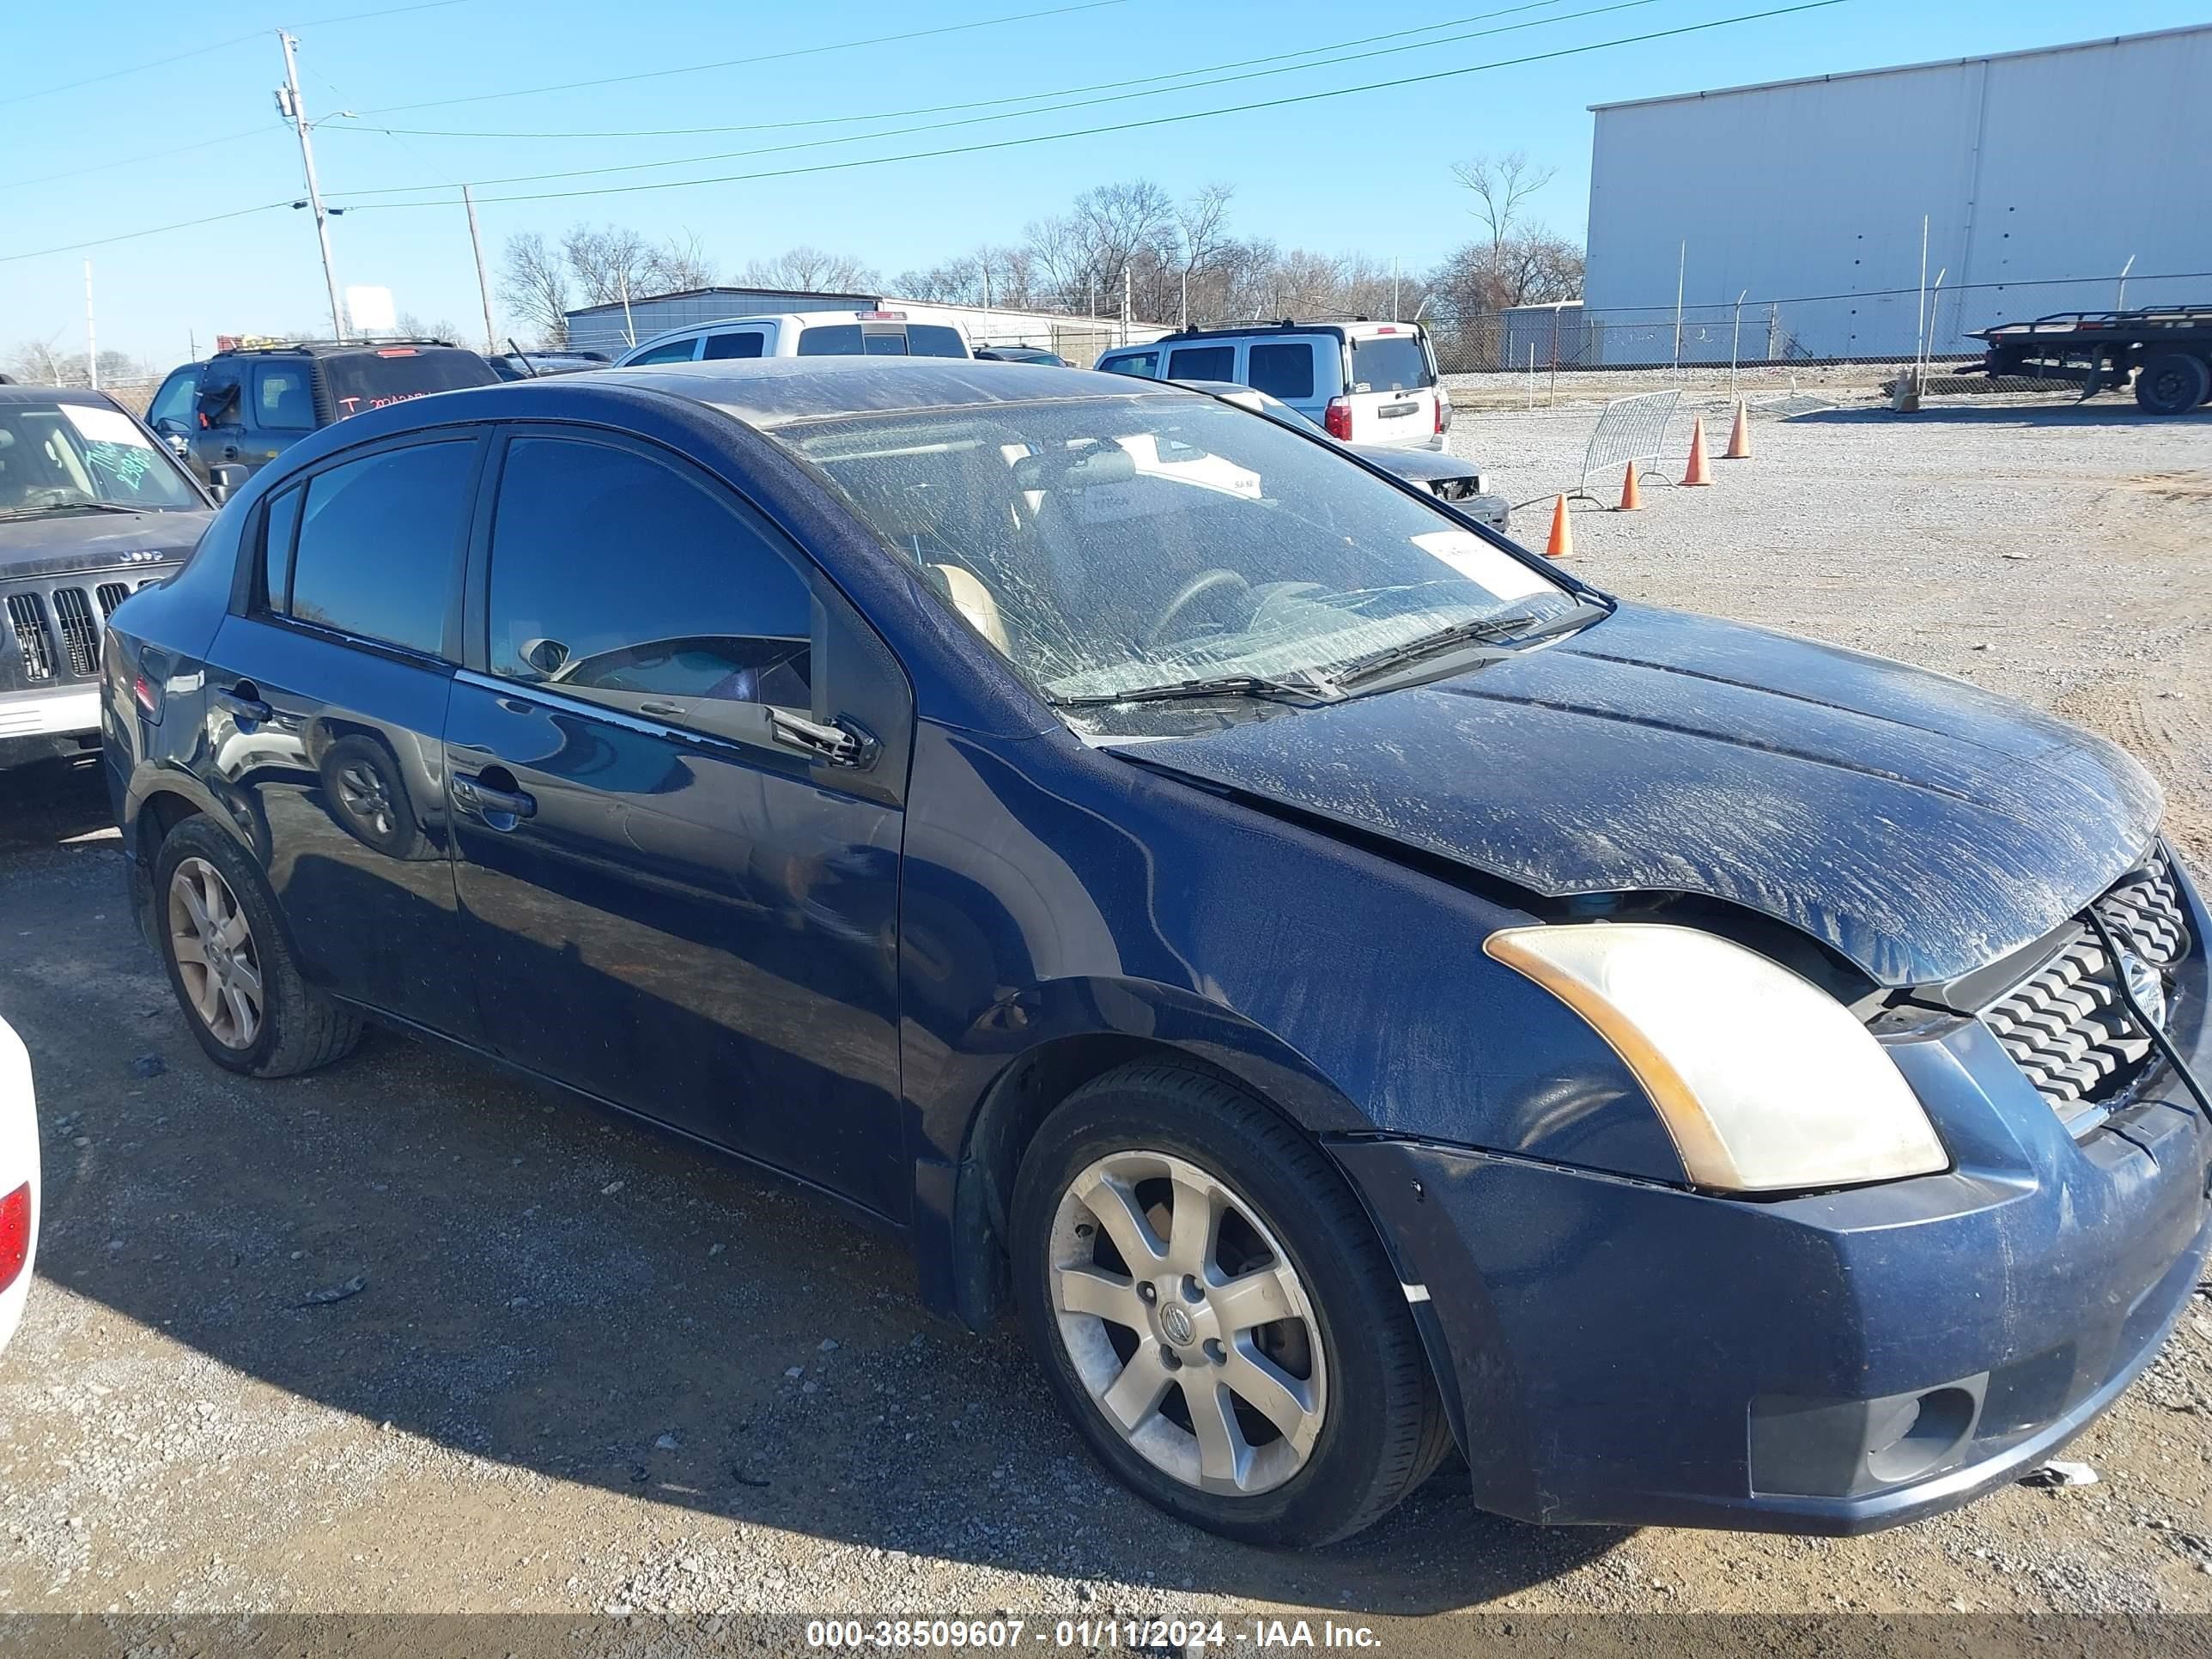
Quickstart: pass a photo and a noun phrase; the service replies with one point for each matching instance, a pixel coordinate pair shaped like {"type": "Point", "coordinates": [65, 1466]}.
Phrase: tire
{"type": "Point", "coordinates": [292, 1027]}
{"type": "Point", "coordinates": [368, 797]}
{"type": "Point", "coordinates": [2173, 383]}
{"type": "Point", "coordinates": [1342, 1365]}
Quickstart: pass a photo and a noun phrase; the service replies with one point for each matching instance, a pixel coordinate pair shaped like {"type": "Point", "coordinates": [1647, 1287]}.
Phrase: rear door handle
{"type": "Point", "coordinates": [491, 805]}
{"type": "Point", "coordinates": [246, 707]}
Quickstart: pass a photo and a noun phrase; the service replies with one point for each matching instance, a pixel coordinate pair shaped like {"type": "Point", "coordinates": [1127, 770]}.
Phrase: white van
{"type": "Point", "coordinates": [801, 334]}
{"type": "Point", "coordinates": [1367, 383]}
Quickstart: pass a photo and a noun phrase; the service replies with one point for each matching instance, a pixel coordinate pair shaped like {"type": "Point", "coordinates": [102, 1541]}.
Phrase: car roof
{"type": "Point", "coordinates": [770, 391]}
{"type": "Point", "coordinates": [20, 393]}
{"type": "Point", "coordinates": [334, 347]}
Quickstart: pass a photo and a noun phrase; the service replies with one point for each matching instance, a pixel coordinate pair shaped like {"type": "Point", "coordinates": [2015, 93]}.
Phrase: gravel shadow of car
{"type": "Point", "coordinates": [564, 1291]}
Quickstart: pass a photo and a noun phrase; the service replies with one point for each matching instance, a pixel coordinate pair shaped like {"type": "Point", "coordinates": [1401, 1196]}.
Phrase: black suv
{"type": "Point", "coordinates": [243, 407]}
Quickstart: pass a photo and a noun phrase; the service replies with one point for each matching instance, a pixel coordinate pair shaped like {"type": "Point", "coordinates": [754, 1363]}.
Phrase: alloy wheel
{"type": "Point", "coordinates": [216, 959]}
{"type": "Point", "coordinates": [362, 790]}
{"type": "Point", "coordinates": [1186, 1323]}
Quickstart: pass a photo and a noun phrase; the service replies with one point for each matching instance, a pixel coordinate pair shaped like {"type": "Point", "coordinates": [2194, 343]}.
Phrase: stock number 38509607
{"type": "Point", "coordinates": [1174, 1636]}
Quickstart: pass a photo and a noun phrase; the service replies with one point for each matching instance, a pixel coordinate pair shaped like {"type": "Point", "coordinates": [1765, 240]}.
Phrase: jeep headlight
{"type": "Point", "coordinates": [1765, 1082]}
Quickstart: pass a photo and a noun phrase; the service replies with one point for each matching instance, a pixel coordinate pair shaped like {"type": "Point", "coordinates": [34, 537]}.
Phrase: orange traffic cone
{"type": "Point", "coordinates": [1562, 545]}
{"type": "Point", "coordinates": [1699, 472]}
{"type": "Point", "coordinates": [1739, 447]}
{"type": "Point", "coordinates": [1632, 498]}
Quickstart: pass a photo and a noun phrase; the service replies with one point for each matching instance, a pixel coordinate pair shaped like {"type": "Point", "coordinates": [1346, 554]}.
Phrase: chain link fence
{"type": "Point", "coordinates": [1885, 326]}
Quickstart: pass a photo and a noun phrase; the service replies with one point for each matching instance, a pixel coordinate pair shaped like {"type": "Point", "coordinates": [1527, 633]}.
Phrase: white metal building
{"type": "Point", "coordinates": [2042, 175]}
{"type": "Point", "coordinates": [614, 328]}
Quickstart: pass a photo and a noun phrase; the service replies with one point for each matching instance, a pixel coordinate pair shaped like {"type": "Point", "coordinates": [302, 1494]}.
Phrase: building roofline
{"type": "Point", "coordinates": [837, 302]}
{"type": "Point", "coordinates": [1906, 69]}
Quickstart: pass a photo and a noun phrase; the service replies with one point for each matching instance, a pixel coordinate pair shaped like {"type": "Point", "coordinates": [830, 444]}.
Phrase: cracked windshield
{"type": "Point", "coordinates": [1113, 546]}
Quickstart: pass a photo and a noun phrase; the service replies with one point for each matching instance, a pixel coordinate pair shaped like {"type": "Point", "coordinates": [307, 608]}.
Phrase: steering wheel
{"type": "Point", "coordinates": [1197, 588]}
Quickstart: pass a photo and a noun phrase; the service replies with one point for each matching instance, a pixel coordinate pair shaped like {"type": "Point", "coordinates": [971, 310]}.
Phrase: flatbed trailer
{"type": "Point", "coordinates": [2166, 349]}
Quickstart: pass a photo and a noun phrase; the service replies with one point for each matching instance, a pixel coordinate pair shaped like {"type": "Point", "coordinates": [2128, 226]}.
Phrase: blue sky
{"type": "Point", "coordinates": [1369, 172]}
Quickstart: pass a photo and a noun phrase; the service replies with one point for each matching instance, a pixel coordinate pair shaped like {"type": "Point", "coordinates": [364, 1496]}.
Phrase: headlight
{"type": "Point", "coordinates": [1764, 1081]}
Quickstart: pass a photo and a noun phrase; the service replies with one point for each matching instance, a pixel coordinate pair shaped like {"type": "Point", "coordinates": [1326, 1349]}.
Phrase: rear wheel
{"type": "Point", "coordinates": [1212, 1309]}
{"type": "Point", "coordinates": [2174, 384]}
{"type": "Point", "coordinates": [230, 965]}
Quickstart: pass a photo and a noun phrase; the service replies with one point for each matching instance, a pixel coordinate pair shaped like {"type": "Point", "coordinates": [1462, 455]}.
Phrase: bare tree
{"type": "Point", "coordinates": [1501, 184]}
{"type": "Point", "coordinates": [812, 271]}
{"type": "Point", "coordinates": [610, 263]}
{"type": "Point", "coordinates": [1201, 225]}
{"type": "Point", "coordinates": [533, 286]}
{"type": "Point", "coordinates": [680, 264]}
{"type": "Point", "coordinates": [43, 362]}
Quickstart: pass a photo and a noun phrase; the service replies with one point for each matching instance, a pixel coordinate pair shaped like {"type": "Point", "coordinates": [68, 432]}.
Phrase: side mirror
{"type": "Point", "coordinates": [546, 656]}
{"type": "Point", "coordinates": [176, 434]}
{"type": "Point", "coordinates": [221, 480]}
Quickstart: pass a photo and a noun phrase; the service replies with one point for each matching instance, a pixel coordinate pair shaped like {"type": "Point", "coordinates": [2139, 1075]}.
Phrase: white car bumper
{"type": "Point", "coordinates": [19, 1180]}
{"type": "Point", "coordinates": [50, 714]}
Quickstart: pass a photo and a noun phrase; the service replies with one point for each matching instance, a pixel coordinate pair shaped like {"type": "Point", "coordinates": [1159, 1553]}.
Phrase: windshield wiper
{"type": "Point", "coordinates": [1304, 686]}
{"type": "Point", "coordinates": [68, 506]}
{"type": "Point", "coordinates": [1512, 627]}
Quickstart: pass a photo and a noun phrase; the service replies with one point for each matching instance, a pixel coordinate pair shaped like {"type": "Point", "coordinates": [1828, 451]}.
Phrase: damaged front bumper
{"type": "Point", "coordinates": [1619, 1351]}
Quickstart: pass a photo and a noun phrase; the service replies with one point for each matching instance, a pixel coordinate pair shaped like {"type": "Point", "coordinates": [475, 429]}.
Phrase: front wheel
{"type": "Point", "coordinates": [1212, 1309]}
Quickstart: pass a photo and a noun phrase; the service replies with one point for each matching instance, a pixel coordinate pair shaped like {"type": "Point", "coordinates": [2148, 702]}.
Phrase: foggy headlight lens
{"type": "Point", "coordinates": [1764, 1081]}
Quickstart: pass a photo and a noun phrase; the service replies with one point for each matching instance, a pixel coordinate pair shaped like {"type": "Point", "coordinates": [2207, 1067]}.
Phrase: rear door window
{"type": "Point", "coordinates": [619, 581]}
{"type": "Point", "coordinates": [746, 343]}
{"type": "Point", "coordinates": [1282, 369]}
{"type": "Point", "coordinates": [380, 543]}
{"type": "Point", "coordinates": [393, 374]}
{"type": "Point", "coordinates": [282, 399]}
{"type": "Point", "coordinates": [1202, 363]}
{"type": "Point", "coordinates": [1389, 362]}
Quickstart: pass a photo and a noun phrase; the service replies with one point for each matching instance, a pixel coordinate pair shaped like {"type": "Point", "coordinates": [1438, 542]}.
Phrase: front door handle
{"type": "Point", "coordinates": [245, 706]}
{"type": "Point", "coordinates": [839, 742]}
{"type": "Point", "coordinates": [492, 805]}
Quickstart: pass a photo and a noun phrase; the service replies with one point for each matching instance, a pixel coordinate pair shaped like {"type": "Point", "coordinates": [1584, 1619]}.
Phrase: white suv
{"type": "Point", "coordinates": [801, 334]}
{"type": "Point", "coordinates": [1367, 383]}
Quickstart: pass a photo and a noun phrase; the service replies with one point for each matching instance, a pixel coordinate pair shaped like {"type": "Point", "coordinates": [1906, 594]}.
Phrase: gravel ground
{"type": "Point", "coordinates": [590, 1369]}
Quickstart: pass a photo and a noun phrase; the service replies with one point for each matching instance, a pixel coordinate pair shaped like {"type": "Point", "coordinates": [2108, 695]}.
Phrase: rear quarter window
{"type": "Point", "coordinates": [1389, 362]}
{"type": "Point", "coordinates": [1143, 364]}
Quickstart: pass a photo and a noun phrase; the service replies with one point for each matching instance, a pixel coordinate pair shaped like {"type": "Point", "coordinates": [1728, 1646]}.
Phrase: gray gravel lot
{"type": "Point", "coordinates": [594, 1369]}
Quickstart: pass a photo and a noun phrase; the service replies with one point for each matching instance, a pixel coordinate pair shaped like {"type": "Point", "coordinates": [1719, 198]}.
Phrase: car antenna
{"type": "Point", "coordinates": [522, 357]}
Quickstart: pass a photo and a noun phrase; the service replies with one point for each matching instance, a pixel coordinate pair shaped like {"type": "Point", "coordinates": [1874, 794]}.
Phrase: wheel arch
{"type": "Point", "coordinates": [1076, 1030]}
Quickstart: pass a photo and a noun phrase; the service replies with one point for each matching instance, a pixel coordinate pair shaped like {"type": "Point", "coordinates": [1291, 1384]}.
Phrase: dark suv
{"type": "Point", "coordinates": [243, 407]}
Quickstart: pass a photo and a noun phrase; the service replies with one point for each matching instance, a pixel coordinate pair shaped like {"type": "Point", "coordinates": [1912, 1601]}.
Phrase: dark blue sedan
{"type": "Point", "coordinates": [1352, 986]}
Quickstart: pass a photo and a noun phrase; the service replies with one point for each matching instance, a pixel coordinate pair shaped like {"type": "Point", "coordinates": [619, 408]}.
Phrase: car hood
{"type": "Point", "coordinates": [1918, 824]}
{"type": "Point", "coordinates": [94, 541]}
{"type": "Point", "coordinates": [1420, 465]}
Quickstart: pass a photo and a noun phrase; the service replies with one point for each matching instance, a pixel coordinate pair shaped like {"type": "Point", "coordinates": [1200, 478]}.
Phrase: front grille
{"type": "Point", "coordinates": [2066, 1025]}
{"type": "Point", "coordinates": [27, 616]}
{"type": "Point", "coordinates": [79, 634]}
{"type": "Point", "coordinates": [112, 594]}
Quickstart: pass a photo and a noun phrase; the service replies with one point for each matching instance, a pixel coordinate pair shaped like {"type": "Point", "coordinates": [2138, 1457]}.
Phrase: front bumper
{"type": "Point", "coordinates": [38, 724]}
{"type": "Point", "coordinates": [1614, 1350]}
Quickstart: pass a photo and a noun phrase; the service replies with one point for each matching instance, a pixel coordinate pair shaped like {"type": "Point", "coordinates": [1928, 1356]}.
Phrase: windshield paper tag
{"type": "Point", "coordinates": [1479, 561]}
{"type": "Point", "coordinates": [107, 426]}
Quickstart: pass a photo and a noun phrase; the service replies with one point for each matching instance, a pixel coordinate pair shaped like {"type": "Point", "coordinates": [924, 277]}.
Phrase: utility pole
{"type": "Point", "coordinates": [91, 340]}
{"type": "Point", "coordinates": [288, 102]}
{"type": "Point", "coordinates": [483, 284]}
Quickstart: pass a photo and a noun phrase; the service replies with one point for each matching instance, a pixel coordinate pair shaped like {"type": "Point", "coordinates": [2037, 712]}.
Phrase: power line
{"type": "Point", "coordinates": [220, 45]}
{"type": "Point", "coordinates": [1009, 115]}
{"type": "Point", "coordinates": [983, 103]}
{"type": "Point", "coordinates": [154, 230]}
{"type": "Point", "coordinates": [732, 63]}
{"type": "Point", "coordinates": [1009, 143]}
{"type": "Point", "coordinates": [1131, 126]}
{"type": "Point", "coordinates": [162, 153]}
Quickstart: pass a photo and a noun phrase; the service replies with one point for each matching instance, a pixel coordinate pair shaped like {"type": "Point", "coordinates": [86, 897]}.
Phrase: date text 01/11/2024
{"type": "Point", "coordinates": [1159, 1636]}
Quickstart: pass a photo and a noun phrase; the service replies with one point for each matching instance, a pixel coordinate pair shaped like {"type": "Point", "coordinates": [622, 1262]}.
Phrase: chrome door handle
{"type": "Point", "coordinates": [473, 795]}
